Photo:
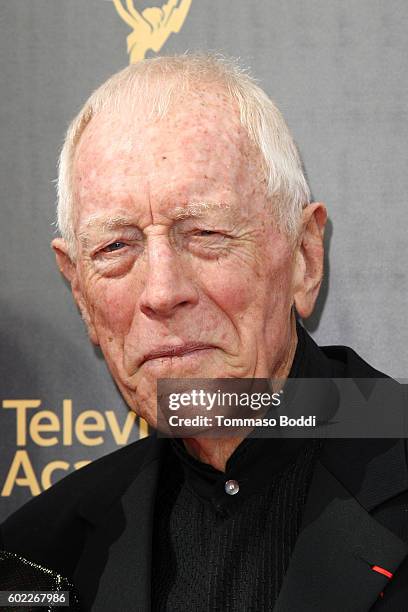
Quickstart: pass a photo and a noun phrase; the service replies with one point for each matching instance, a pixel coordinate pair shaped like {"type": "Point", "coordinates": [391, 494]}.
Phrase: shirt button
{"type": "Point", "coordinates": [231, 487]}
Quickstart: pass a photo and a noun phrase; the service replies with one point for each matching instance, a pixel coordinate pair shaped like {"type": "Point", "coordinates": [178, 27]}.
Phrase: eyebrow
{"type": "Point", "coordinates": [105, 223]}
{"type": "Point", "coordinates": [197, 209]}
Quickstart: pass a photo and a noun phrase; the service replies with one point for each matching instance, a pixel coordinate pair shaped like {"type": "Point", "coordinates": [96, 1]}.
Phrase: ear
{"type": "Point", "coordinates": [69, 270]}
{"type": "Point", "coordinates": [309, 257]}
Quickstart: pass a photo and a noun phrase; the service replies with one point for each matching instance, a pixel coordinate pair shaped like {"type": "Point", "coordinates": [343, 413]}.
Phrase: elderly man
{"type": "Point", "coordinates": [190, 243]}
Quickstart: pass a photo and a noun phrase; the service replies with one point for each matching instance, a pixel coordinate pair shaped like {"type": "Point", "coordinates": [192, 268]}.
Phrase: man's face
{"type": "Point", "coordinates": [176, 247]}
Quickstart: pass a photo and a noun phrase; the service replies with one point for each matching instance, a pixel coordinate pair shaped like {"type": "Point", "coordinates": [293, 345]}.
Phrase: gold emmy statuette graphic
{"type": "Point", "coordinates": [151, 27]}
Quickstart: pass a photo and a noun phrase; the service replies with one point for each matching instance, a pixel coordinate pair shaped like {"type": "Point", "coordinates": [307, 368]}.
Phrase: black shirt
{"type": "Point", "coordinates": [222, 541]}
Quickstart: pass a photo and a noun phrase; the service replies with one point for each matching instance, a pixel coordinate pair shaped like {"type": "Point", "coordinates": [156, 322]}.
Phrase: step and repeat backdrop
{"type": "Point", "coordinates": [338, 71]}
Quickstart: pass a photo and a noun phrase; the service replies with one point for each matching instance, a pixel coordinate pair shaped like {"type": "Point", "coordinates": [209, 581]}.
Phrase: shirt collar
{"type": "Point", "coordinates": [253, 463]}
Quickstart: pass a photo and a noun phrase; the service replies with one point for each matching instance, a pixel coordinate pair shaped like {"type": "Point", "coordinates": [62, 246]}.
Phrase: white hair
{"type": "Point", "coordinates": [160, 80]}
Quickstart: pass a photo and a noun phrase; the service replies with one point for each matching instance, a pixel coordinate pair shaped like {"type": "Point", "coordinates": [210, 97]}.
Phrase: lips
{"type": "Point", "coordinates": [175, 350]}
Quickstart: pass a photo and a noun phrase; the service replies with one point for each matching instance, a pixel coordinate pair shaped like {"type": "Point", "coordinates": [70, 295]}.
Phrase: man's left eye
{"type": "Point", "coordinates": [114, 246]}
{"type": "Point", "coordinates": [205, 233]}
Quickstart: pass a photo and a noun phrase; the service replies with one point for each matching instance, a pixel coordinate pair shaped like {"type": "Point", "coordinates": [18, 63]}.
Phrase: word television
{"type": "Point", "coordinates": [48, 444]}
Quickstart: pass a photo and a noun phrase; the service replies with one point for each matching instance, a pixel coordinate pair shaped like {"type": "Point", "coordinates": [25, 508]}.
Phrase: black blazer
{"type": "Point", "coordinates": [95, 526]}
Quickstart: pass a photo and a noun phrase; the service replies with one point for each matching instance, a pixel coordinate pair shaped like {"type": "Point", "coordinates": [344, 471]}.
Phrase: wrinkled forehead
{"type": "Point", "coordinates": [200, 118]}
{"type": "Point", "coordinates": [199, 145]}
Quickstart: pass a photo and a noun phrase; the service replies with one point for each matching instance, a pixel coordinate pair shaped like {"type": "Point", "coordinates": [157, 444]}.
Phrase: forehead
{"type": "Point", "coordinates": [198, 150]}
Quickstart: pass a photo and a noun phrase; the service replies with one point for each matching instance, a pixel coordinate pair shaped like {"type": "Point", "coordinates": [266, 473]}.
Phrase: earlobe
{"type": "Point", "coordinates": [68, 269]}
{"type": "Point", "coordinates": [309, 259]}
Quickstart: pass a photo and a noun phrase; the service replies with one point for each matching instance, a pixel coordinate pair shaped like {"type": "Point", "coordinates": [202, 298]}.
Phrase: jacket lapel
{"type": "Point", "coordinates": [113, 572]}
{"type": "Point", "coordinates": [340, 541]}
{"type": "Point", "coordinates": [331, 565]}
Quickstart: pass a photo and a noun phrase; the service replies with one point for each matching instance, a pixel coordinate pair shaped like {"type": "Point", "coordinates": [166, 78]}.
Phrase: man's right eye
{"type": "Point", "coordinates": [114, 246]}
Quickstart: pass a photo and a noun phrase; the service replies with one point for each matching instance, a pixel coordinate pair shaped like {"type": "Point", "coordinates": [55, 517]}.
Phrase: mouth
{"type": "Point", "coordinates": [180, 350]}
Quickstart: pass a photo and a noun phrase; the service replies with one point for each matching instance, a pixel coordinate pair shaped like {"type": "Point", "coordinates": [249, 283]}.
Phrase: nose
{"type": "Point", "coordinates": [167, 286]}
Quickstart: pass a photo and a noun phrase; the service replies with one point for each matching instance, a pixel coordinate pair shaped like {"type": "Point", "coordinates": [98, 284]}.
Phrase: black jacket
{"type": "Point", "coordinates": [95, 526]}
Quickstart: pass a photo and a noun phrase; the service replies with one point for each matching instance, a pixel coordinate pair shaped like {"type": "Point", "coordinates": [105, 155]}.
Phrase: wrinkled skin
{"type": "Point", "coordinates": [150, 273]}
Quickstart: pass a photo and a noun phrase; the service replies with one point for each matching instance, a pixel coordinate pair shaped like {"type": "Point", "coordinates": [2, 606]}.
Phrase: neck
{"type": "Point", "coordinates": [217, 451]}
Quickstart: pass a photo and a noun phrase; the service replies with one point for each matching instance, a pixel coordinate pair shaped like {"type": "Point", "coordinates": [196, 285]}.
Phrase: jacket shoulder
{"type": "Point", "coordinates": [74, 485]}
{"type": "Point", "coordinates": [348, 363]}
{"type": "Point", "coordinates": [52, 521]}
{"type": "Point", "coordinates": [334, 361]}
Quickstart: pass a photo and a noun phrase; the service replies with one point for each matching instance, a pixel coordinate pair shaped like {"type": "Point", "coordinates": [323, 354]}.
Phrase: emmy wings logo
{"type": "Point", "coordinates": [152, 26]}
